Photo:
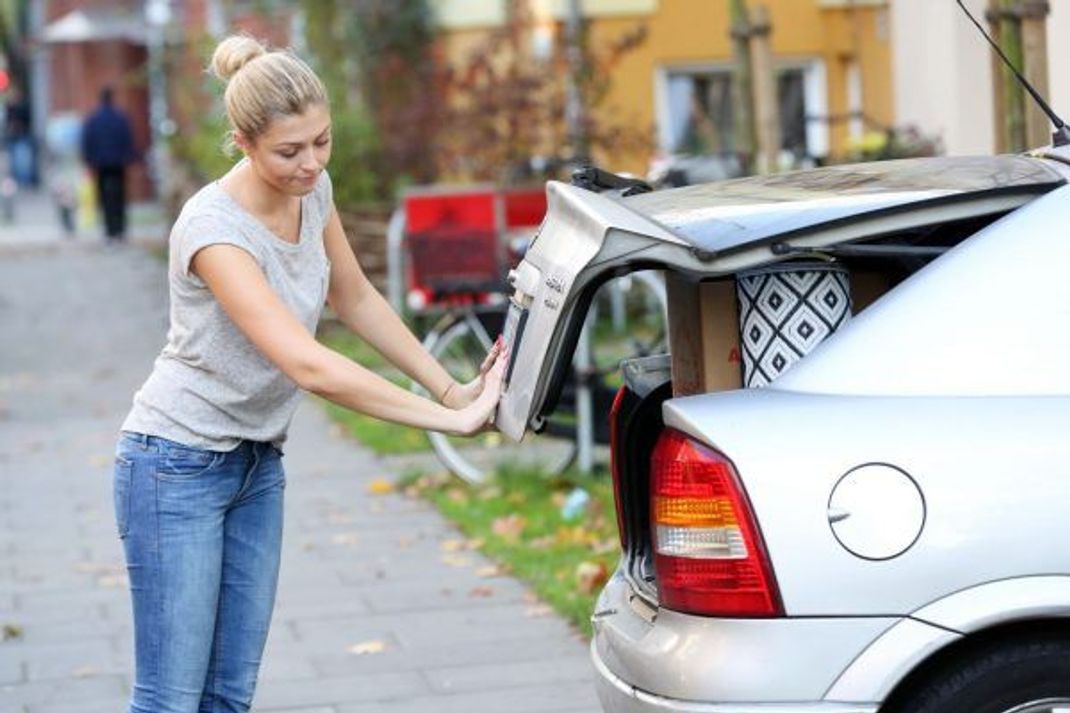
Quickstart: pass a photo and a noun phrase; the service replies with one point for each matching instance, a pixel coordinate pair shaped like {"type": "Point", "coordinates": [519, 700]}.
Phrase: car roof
{"type": "Point", "coordinates": [731, 215]}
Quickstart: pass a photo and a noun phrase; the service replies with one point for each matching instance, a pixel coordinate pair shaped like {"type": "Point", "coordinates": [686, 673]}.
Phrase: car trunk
{"type": "Point", "coordinates": [880, 222]}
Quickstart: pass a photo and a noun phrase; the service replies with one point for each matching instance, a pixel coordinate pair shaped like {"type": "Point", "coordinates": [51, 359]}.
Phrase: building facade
{"type": "Point", "coordinates": [943, 71]}
{"type": "Point", "coordinates": [832, 62]}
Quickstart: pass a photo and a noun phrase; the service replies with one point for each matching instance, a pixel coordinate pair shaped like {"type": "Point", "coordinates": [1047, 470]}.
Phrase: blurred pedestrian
{"type": "Point", "coordinates": [18, 139]}
{"type": "Point", "coordinates": [198, 476]}
{"type": "Point", "coordinates": [107, 149]}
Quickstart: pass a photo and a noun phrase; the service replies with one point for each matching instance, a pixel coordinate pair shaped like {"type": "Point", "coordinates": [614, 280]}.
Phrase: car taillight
{"type": "Point", "coordinates": [614, 462]}
{"type": "Point", "coordinates": [709, 557]}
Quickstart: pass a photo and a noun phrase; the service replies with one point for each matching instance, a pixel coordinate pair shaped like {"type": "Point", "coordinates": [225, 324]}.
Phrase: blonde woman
{"type": "Point", "coordinates": [198, 478]}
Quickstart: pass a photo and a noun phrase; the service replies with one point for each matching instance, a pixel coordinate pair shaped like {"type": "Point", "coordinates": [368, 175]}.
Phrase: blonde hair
{"type": "Point", "coordinates": [263, 84]}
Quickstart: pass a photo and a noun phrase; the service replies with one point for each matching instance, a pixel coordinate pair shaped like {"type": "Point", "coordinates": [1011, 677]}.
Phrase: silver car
{"type": "Point", "coordinates": [884, 526]}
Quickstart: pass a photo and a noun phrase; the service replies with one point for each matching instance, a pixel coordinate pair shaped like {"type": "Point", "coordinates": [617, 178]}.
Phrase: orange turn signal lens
{"type": "Point", "coordinates": [692, 512]}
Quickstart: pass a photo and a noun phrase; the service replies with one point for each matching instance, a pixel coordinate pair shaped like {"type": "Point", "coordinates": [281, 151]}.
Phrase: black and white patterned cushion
{"type": "Point", "coordinates": [785, 311]}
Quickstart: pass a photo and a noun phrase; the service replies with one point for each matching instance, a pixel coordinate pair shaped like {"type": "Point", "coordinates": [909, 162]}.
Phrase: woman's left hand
{"type": "Point", "coordinates": [460, 395]}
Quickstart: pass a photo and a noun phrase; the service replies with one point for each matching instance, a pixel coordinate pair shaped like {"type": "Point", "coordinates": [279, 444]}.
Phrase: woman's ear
{"type": "Point", "coordinates": [240, 141]}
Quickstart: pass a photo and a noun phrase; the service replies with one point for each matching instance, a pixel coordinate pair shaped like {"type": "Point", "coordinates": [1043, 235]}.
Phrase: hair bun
{"type": "Point", "coordinates": [233, 53]}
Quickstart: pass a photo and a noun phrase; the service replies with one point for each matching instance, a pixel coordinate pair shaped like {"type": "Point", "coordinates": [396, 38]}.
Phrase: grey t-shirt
{"type": "Point", "coordinates": [210, 387]}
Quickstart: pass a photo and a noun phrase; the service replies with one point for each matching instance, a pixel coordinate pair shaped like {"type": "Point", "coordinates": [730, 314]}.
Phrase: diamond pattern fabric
{"type": "Point", "coordinates": [785, 312]}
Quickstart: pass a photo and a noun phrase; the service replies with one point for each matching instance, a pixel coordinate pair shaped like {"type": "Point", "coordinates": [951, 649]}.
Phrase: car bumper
{"type": "Point", "coordinates": [651, 662]}
{"type": "Point", "coordinates": [617, 696]}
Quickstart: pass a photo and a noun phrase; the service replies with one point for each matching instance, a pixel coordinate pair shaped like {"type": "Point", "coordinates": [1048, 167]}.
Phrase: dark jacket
{"type": "Point", "coordinates": [107, 141]}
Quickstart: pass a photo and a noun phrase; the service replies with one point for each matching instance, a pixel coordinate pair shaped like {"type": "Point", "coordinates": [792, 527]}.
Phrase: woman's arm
{"type": "Point", "coordinates": [364, 310]}
{"type": "Point", "coordinates": [242, 290]}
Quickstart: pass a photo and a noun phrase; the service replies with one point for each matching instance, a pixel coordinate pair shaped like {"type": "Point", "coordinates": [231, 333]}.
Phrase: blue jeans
{"type": "Point", "coordinates": [202, 534]}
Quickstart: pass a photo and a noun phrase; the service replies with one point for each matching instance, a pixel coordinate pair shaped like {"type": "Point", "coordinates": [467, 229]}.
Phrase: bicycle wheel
{"type": "Point", "coordinates": [460, 348]}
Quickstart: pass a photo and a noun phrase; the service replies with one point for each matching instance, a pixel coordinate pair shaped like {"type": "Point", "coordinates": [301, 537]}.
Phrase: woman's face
{"type": "Point", "coordinates": [290, 155]}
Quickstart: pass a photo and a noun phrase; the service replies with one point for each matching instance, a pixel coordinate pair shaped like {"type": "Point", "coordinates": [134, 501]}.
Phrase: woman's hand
{"type": "Point", "coordinates": [477, 415]}
{"type": "Point", "coordinates": [460, 395]}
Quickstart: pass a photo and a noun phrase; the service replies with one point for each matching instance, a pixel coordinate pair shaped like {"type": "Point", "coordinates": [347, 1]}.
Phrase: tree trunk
{"type": "Point", "coordinates": [766, 100]}
{"type": "Point", "coordinates": [1010, 40]}
{"type": "Point", "coordinates": [1035, 50]}
{"type": "Point", "coordinates": [742, 87]}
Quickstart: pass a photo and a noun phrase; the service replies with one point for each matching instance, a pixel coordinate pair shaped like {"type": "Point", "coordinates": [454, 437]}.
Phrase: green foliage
{"type": "Point", "coordinates": [516, 520]}
{"type": "Point", "coordinates": [506, 106]}
{"type": "Point", "coordinates": [200, 144]}
{"type": "Point", "coordinates": [399, 78]}
{"type": "Point", "coordinates": [203, 146]}
{"type": "Point", "coordinates": [355, 161]}
{"type": "Point", "coordinates": [352, 46]}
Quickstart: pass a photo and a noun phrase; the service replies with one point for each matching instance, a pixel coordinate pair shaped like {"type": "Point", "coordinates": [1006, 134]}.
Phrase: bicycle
{"type": "Point", "coordinates": [456, 243]}
{"type": "Point", "coordinates": [460, 339]}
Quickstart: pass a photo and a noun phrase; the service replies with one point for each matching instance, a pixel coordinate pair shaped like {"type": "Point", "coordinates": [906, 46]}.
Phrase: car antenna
{"type": "Point", "coordinates": [1061, 135]}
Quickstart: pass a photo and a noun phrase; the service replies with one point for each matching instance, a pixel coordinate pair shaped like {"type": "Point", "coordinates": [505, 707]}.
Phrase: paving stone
{"type": "Point", "coordinates": [342, 689]}
{"type": "Point", "coordinates": [524, 699]}
{"type": "Point", "coordinates": [508, 675]}
{"type": "Point", "coordinates": [64, 691]}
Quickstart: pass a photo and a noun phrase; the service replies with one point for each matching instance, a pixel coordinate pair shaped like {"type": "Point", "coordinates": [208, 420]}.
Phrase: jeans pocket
{"type": "Point", "coordinates": [124, 474]}
{"type": "Point", "coordinates": [178, 461]}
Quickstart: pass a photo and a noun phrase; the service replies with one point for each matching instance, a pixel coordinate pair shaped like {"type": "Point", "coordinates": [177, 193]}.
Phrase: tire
{"type": "Point", "coordinates": [1013, 677]}
{"type": "Point", "coordinates": [460, 348]}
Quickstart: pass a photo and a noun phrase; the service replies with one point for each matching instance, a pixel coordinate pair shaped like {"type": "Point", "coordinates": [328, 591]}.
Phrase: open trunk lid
{"type": "Point", "coordinates": [719, 229]}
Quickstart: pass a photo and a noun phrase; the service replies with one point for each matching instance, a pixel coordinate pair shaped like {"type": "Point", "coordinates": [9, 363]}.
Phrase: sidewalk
{"type": "Point", "coordinates": [377, 611]}
{"type": "Point", "coordinates": [37, 224]}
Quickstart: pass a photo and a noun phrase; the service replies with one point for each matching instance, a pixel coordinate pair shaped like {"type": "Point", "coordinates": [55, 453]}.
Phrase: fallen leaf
{"type": "Point", "coordinates": [606, 546]}
{"type": "Point", "coordinates": [454, 560]}
{"type": "Point", "coordinates": [345, 538]}
{"type": "Point", "coordinates": [543, 543]}
{"type": "Point", "coordinates": [538, 610]}
{"type": "Point", "coordinates": [380, 486]}
{"type": "Point", "coordinates": [509, 527]}
{"type": "Point", "coordinates": [85, 672]}
{"type": "Point", "coordinates": [482, 592]}
{"type": "Point", "coordinates": [590, 576]}
{"type": "Point", "coordinates": [456, 495]}
{"type": "Point", "coordinates": [367, 647]}
{"type": "Point", "coordinates": [491, 571]}
{"type": "Point", "coordinates": [11, 631]}
{"type": "Point", "coordinates": [453, 545]}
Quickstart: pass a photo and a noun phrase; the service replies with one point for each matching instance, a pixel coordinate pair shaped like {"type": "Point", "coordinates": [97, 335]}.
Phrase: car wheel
{"type": "Point", "coordinates": [1021, 677]}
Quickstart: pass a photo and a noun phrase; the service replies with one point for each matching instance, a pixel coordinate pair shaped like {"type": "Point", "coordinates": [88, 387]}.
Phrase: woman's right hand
{"type": "Point", "coordinates": [476, 416]}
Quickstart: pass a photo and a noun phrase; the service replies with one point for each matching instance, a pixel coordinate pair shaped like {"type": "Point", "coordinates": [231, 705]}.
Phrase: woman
{"type": "Point", "coordinates": [199, 481]}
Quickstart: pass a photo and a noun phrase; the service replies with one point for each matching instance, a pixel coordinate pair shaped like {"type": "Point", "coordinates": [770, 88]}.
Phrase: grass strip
{"type": "Point", "coordinates": [516, 519]}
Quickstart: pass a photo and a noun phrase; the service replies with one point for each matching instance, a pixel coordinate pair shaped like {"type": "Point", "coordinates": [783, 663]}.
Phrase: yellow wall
{"type": "Point", "coordinates": [696, 32]}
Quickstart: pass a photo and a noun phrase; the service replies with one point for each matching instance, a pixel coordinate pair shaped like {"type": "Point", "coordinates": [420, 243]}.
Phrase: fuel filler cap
{"type": "Point", "coordinates": [876, 511]}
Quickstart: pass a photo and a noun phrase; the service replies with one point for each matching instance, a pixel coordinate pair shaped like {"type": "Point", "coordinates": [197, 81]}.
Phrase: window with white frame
{"type": "Point", "coordinates": [696, 111]}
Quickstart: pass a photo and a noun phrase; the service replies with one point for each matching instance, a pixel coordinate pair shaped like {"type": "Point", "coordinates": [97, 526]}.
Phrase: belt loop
{"type": "Point", "coordinates": [141, 439]}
